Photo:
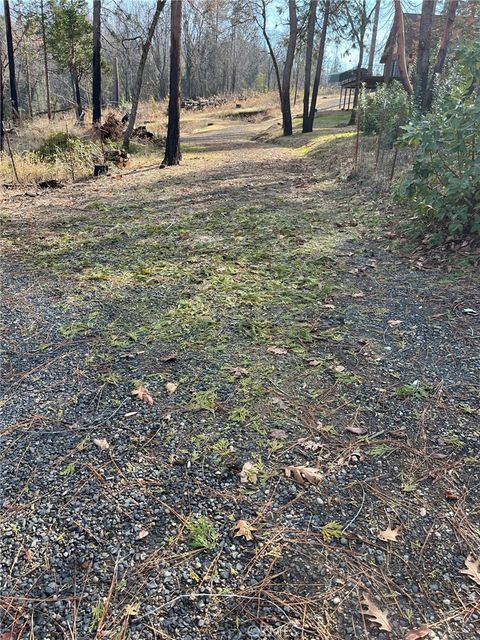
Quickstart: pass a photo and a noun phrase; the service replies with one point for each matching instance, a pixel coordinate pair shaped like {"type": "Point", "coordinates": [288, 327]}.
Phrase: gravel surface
{"type": "Point", "coordinates": [265, 305]}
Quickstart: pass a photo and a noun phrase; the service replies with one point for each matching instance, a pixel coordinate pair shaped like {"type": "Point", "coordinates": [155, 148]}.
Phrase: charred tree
{"type": "Point", "coordinates": [172, 146]}
{"type": "Point", "coordinates": [312, 15]}
{"type": "Point", "coordinates": [96, 65]}
{"type": "Point", "coordinates": [287, 69]}
{"type": "Point", "coordinates": [11, 62]}
{"type": "Point", "coordinates": [318, 70]}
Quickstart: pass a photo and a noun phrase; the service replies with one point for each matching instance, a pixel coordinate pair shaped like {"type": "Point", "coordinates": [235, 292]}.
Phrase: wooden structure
{"type": "Point", "coordinates": [348, 83]}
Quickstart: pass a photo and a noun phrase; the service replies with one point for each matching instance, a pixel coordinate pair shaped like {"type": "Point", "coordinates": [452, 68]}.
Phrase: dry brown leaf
{"type": "Point", "coordinates": [358, 431]}
{"type": "Point", "coordinates": [339, 368]}
{"type": "Point", "coordinates": [28, 555]}
{"type": "Point", "coordinates": [238, 372]}
{"type": "Point", "coordinates": [375, 614]}
{"type": "Point", "coordinates": [314, 363]}
{"type": "Point", "coordinates": [280, 403]}
{"type": "Point", "coordinates": [473, 569]}
{"type": "Point", "coordinates": [171, 387]}
{"type": "Point", "coordinates": [249, 473]}
{"type": "Point", "coordinates": [358, 294]}
{"type": "Point", "coordinates": [143, 533]}
{"type": "Point", "coordinates": [394, 323]}
{"type": "Point", "coordinates": [311, 445]}
{"type": "Point", "coordinates": [142, 394]}
{"type": "Point", "coordinates": [101, 443]}
{"type": "Point", "coordinates": [243, 529]}
{"type": "Point", "coordinates": [278, 434]}
{"type": "Point", "coordinates": [416, 634]}
{"type": "Point", "coordinates": [389, 534]}
{"type": "Point", "coordinates": [278, 351]}
{"type": "Point", "coordinates": [168, 357]}
{"type": "Point", "coordinates": [303, 474]}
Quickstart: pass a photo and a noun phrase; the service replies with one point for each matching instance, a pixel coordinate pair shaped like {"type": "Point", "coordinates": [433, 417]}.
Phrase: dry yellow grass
{"type": "Point", "coordinates": [153, 114]}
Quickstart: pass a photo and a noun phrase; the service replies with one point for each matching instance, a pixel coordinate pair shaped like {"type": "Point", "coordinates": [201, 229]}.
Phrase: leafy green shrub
{"type": "Point", "coordinates": [444, 182]}
{"type": "Point", "coordinates": [380, 111]}
{"type": "Point", "coordinates": [65, 146]}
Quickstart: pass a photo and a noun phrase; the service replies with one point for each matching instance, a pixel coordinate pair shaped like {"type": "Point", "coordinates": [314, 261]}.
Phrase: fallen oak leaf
{"type": "Point", "coordinates": [358, 431]}
{"type": "Point", "coordinates": [416, 634]}
{"type": "Point", "coordinates": [394, 323]}
{"type": "Point", "coordinates": [375, 614]}
{"type": "Point", "coordinates": [171, 387]}
{"type": "Point", "coordinates": [238, 372]}
{"type": "Point", "coordinates": [249, 473]}
{"type": "Point", "coordinates": [142, 394]}
{"type": "Point", "coordinates": [278, 351]}
{"type": "Point", "coordinates": [280, 403]}
{"type": "Point", "coordinates": [168, 357]}
{"type": "Point", "coordinates": [473, 569]}
{"type": "Point", "coordinates": [143, 533]}
{"type": "Point", "coordinates": [303, 474]}
{"type": "Point", "coordinates": [278, 434]}
{"type": "Point", "coordinates": [101, 443]}
{"type": "Point", "coordinates": [389, 534]}
{"type": "Point", "coordinates": [243, 529]}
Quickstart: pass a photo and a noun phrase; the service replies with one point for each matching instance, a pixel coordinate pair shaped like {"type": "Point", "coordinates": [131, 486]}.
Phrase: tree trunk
{"type": "Point", "coordinates": [96, 65]}
{"type": "Point", "coordinates": [308, 62]}
{"type": "Point", "coordinates": [77, 96]}
{"type": "Point", "coordinates": [373, 42]}
{"type": "Point", "coordinates": [263, 27]}
{"type": "Point", "coordinates": [11, 63]}
{"type": "Point", "coordinates": [116, 84]}
{"type": "Point", "coordinates": [318, 70]}
{"type": "Point", "coordinates": [29, 83]}
{"type": "Point", "coordinates": [442, 51]}
{"type": "Point", "coordinates": [358, 78]}
{"type": "Point", "coordinates": [172, 146]}
{"type": "Point", "coordinates": [2, 103]}
{"type": "Point", "coordinates": [402, 58]}
{"type": "Point", "coordinates": [287, 69]}
{"type": "Point", "coordinates": [141, 66]}
{"type": "Point", "coordinates": [45, 60]}
{"type": "Point", "coordinates": [423, 56]}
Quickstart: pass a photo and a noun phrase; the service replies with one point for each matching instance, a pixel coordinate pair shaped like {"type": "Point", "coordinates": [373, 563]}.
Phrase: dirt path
{"type": "Point", "coordinates": [258, 298]}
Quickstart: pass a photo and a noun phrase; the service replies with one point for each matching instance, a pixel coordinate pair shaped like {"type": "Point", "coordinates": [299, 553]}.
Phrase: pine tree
{"type": "Point", "coordinates": [70, 41]}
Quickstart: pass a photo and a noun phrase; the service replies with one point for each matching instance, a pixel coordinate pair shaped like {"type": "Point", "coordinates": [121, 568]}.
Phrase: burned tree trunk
{"type": "Point", "coordinates": [287, 69]}
{"type": "Point", "coordinates": [11, 62]}
{"type": "Point", "coordinates": [172, 145]}
{"type": "Point", "coordinates": [308, 62]}
{"type": "Point", "coordinates": [96, 68]}
{"type": "Point", "coordinates": [318, 70]}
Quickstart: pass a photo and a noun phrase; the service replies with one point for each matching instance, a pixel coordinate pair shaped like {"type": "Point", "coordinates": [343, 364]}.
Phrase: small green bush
{"type": "Point", "coordinates": [65, 146]}
{"type": "Point", "coordinates": [444, 182]}
{"type": "Point", "coordinates": [380, 111]}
